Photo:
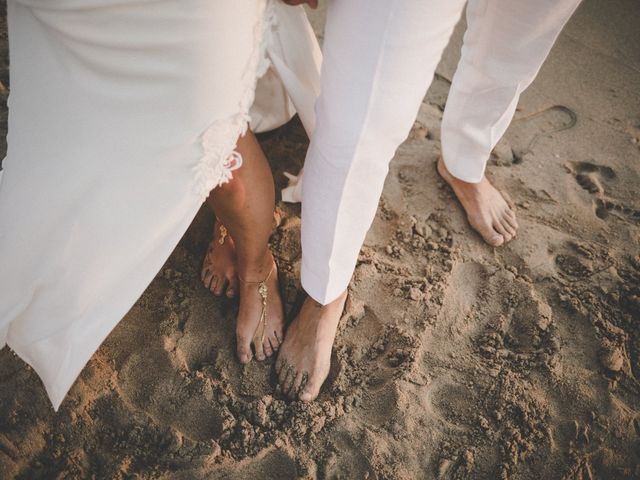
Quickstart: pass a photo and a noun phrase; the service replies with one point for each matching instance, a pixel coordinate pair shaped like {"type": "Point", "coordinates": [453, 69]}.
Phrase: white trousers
{"type": "Point", "coordinates": [379, 59]}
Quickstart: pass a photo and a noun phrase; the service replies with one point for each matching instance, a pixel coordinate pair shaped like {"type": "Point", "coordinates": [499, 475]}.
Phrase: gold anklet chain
{"type": "Point", "coordinates": [263, 290]}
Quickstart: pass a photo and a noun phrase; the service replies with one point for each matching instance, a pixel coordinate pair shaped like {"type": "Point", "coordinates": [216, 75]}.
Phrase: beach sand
{"type": "Point", "coordinates": [453, 360]}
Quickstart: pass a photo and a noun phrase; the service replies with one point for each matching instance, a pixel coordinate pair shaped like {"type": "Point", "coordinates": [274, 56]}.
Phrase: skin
{"type": "Point", "coordinates": [219, 266]}
{"type": "Point", "coordinates": [487, 210]}
{"type": "Point", "coordinates": [311, 3]}
{"type": "Point", "coordinates": [245, 207]}
{"type": "Point", "coordinates": [220, 270]}
{"type": "Point", "coordinates": [305, 357]}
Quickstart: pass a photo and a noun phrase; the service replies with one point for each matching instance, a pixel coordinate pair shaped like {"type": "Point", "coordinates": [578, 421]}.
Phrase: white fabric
{"type": "Point", "coordinates": [292, 82]}
{"type": "Point", "coordinates": [122, 116]}
{"type": "Point", "coordinates": [379, 59]}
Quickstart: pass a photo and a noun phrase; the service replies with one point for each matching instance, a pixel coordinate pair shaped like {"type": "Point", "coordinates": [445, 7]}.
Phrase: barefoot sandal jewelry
{"type": "Point", "coordinates": [263, 290]}
{"type": "Point", "coordinates": [223, 234]}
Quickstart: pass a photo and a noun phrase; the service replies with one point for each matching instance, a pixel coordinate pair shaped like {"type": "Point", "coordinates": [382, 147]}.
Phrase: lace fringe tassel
{"type": "Point", "coordinates": [219, 140]}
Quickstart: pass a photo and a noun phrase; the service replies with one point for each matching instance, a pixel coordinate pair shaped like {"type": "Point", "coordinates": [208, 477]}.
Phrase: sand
{"type": "Point", "coordinates": [453, 360]}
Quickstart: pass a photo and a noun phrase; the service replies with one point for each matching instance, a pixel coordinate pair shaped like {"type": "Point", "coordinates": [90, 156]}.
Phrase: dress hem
{"type": "Point", "coordinates": [219, 141]}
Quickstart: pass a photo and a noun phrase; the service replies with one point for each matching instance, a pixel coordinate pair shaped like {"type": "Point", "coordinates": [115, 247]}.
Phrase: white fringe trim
{"type": "Point", "coordinates": [219, 140]}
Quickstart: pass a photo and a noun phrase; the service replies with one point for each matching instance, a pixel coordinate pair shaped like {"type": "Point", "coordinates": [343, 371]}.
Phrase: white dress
{"type": "Point", "coordinates": [123, 115]}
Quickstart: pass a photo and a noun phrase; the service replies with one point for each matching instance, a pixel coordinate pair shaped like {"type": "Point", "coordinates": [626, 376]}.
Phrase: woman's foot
{"type": "Point", "coordinates": [305, 357]}
{"type": "Point", "coordinates": [219, 266]}
{"type": "Point", "coordinates": [259, 290]}
{"type": "Point", "coordinates": [487, 210]}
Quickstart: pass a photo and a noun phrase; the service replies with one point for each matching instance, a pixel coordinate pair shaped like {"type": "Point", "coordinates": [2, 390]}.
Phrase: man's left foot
{"type": "Point", "coordinates": [487, 210]}
{"type": "Point", "coordinates": [305, 356]}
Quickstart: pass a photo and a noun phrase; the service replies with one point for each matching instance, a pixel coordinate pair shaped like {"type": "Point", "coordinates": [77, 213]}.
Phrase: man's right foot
{"type": "Point", "coordinates": [487, 210]}
{"type": "Point", "coordinates": [305, 356]}
{"type": "Point", "coordinates": [219, 266]}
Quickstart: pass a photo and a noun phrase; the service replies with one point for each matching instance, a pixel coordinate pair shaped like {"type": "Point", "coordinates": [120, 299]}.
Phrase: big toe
{"type": "Point", "coordinates": [244, 348]}
{"type": "Point", "coordinates": [311, 390]}
{"type": "Point", "coordinates": [494, 239]}
{"type": "Point", "coordinates": [488, 233]}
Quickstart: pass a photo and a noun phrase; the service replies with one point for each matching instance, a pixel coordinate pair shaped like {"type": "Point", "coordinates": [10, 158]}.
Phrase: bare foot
{"type": "Point", "coordinates": [304, 360]}
{"type": "Point", "coordinates": [219, 265]}
{"type": "Point", "coordinates": [487, 210]}
{"type": "Point", "coordinates": [264, 333]}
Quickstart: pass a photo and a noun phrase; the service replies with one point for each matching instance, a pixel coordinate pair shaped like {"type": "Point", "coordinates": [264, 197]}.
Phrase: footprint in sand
{"type": "Point", "coordinates": [275, 463]}
{"type": "Point", "coordinates": [529, 319]}
{"type": "Point", "coordinates": [576, 260]}
{"type": "Point", "coordinates": [597, 180]}
{"type": "Point", "coordinates": [589, 175]}
{"type": "Point", "coordinates": [520, 326]}
{"type": "Point", "coordinates": [453, 402]}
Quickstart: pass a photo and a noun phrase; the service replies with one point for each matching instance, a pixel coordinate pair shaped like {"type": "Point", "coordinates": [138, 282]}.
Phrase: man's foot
{"type": "Point", "coordinates": [259, 288]}
{"type": "Point", "coordinates": [305, 357]}
{"type": "Point", "coordinates": [487, 210]}
{"type": "Point", "coordinates": [219, 265]}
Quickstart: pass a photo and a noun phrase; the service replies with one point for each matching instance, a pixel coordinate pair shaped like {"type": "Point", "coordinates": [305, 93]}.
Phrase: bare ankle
{"type": "Point", "coordinates": [256, 266]}
{"type": "Point", "coordinates": [333, 303]}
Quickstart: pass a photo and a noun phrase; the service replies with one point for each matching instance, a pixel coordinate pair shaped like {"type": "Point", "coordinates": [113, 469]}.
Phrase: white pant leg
{"type": "Point", "coordinates": [504, 47]}
{"type": "Point", "coordinates": [379, 58]}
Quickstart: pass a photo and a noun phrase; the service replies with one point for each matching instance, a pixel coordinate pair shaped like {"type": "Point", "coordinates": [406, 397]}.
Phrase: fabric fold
{"type": "Point", "coordinates": [136, 107]}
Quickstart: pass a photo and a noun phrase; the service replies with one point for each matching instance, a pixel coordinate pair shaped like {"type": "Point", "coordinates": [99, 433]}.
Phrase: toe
{"type": "Point", "coordinates": [510, 217]}
{"type": "Point", "coordinates": [311, 390]}
{"type": "Point", "coordinates": [484, 227]}
{"type": "Point", "coordinates": [280, 363]}
{"type": "Point", "coordinates": [497, 225]}
{"type": "Point", "coordinates": [278, 335]}
{"type": "Point", "coordinates": [219, 286]}
{"type": "Point", "coordinates": [508, 227]}
{"type": "Point", "coordinates": [266, 346]}
{"type": "Point", "coordinates": [213, 283]}
{"type": "Point", "coordinates": [206, 278]}
{"type": "Point", "coordinates": [244, 347]}
{"type": "Point", "coordinates": [491, 236]}
{"type": "Point", "coordinates": [289, 377]}
{"type": "Point", "coordinates": [233, 286]}
{"type": "Point", "coordinates": [295, 385]}
{"type": "Point", "coordinates": [273, 341]}
{"type": "Point", "coordinates": [289, 382]}
{"type": "Point", "coordinates": [260, 354]}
